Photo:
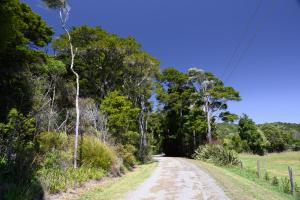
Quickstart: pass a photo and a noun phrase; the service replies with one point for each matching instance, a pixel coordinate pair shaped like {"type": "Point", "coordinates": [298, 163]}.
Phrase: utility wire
{"type": "Point", "coordinates": [243, 35]}
{"type": "Point", "coordinates": [259, 28]}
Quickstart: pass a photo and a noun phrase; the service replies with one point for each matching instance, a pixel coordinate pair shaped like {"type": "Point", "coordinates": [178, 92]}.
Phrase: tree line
{"type": "Point", "coordinates": [86, 110]}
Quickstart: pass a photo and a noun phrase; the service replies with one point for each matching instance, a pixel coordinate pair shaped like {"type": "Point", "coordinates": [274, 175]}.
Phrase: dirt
{"type": "Point", "coordinates": [177, 178]}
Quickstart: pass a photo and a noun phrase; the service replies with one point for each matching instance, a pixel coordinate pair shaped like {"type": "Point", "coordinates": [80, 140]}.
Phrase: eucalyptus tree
{"type": "Point", "coordinates": [64, 10]}
{"type": "Point", "coordinates": [214, 95]}
{"type": "Point", "coordinates": [141, 69]}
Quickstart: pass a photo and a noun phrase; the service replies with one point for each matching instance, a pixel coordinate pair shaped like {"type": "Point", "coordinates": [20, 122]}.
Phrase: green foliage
{"type": "Point", "coordinates": [217, 154]}
{"type": "Point", "coordinates": [275, 181]}
{"type": "Point", "coordinates": [267, 176]}
{"type": "Point", "coordinates": [49, 141]}
{"type": "Point", "coordinates": [278, 139]}
{"type": "Point", "coordinates": [180, 121]}
{"type": "Point", "coordinates": [59, 179]}
{"type": "Point", "coordinates": [126, 153]}
{"type": "Point", "coordinates": [253, 137]}
{"type": "Point", "coordinates": [55, 3]}
{"type": "Point", "coordinates": [95, 154]}
{"type": "Point", "coordinates": [21, 30]}
{"type": "Point", "coordinates": [233, 142]}
{"type": "Point", "coordinates": [285, 185]}
{"type": "Point", "coordinates": [121, 117]}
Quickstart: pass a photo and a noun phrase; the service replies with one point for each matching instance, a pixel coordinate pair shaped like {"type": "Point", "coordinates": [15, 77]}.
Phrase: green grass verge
{"type": "Point", "coordinates": [116, 188]}
{"type": "Point", "coordinates": [240, 185]}
{"type": "Point", "coordinates": [276, 164]}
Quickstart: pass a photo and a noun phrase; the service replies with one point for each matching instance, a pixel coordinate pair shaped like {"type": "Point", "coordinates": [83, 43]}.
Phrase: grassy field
{"type": "Point", "coordinates": [276, 164]}
{"type": "Point", "coordinates": [118, 187]}
{"type": "Point", "coordinates": [240, 185]}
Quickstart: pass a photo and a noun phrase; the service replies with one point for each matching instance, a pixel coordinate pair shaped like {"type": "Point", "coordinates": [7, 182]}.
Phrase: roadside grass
{"type": "Point", "coordinates": [242, 184]}
{"type": "Point", "coordinates": [116, 188]}
{"type": "Point", "coordinates": [276, 164]}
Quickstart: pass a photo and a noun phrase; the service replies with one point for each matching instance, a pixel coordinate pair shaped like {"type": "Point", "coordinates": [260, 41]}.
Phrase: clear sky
{"type": "Point", "coordinates": [205, 34]}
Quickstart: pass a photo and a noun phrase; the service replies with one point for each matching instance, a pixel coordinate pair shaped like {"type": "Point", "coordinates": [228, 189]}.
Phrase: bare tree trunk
{"type": "Point", "coordinates": [51, 108]}
{"type": "Point", "coordinates": [194, 138]}
{"type": "Point", "coordinates": [143, 139]}
{"type": "Point", "coordinates": [77, 97]}
{"type": "Point", "coordinates": [208, 118]}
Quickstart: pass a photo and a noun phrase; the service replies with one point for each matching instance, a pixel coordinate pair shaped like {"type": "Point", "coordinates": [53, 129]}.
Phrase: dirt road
{"type": "Point", "coordinates": [177, 178]}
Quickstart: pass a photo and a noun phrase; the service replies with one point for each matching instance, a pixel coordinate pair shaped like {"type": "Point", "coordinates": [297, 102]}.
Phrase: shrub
{"type": "Point", "coordinates": [217, 154]}
{"type": "Point", "coordinates": [285, 185]}
{"type": "Point", "coordinates": [126, 153]}
{"type": "Point", "coordinates": [95, 154]}
{"type": "Point", "coordinates": [49, 141]}
{"type": "Point", "coordinates": [275, 181]}
{"type": "Point", "coordinates": [56, 180]}
{"type": "Point", "coordinates": [267, 177]}
{"type": "Point", "coordinates": [233, 142]}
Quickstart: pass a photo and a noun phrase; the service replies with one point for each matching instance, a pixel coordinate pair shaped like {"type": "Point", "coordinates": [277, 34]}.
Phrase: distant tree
{"type": "Point", "coordinates": [279, 140]}
{"type": "Point", "coordinates": [177, 97]}
{"type": "Point", "coordinates": [214, 95]}
{"type": "Point", "coordinates": [254, 138]}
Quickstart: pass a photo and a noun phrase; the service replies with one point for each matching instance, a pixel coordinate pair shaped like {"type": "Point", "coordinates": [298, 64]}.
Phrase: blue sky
{"type": "Point", "coordinates": [205, 34]}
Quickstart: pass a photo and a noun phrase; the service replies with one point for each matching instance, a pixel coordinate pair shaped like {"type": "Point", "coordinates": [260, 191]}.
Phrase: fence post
{"type": "Point", "coordinates": [291, 179]}
{"type": "Point", "coordinates": [258, 168]}
{"type": "Point", "coordinates": [242, 166]}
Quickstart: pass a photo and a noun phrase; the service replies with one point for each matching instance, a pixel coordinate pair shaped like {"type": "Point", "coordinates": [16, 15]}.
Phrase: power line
{"type": "Point", "coordinates": [250, 42]}
{"type": "Point", "coordinates": [243, 35]}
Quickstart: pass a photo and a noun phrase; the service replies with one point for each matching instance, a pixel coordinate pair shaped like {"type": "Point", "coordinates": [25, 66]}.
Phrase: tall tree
{"type": "Point", "coordinates": [176, 97]}
{"type": "Point", "coordinates": [64, 9]}
{"type": "Point", "coordinates": [214, 95]}
{"type": "Point", "coordinates": [23, 32]}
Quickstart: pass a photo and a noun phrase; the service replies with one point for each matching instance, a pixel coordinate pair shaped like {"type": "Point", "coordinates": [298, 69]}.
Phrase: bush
{"type": "Point", "coordinates": [56, 180]}
{"type": "Point", "coordinates": [285, 185]}
{"type": "Point", "coordinates": [217, 154]}
{"type": "Point", "coordinates": [275, 181]}
{"type": "Point", "coordinates": [126, 153]}
{"type": "Point", "coordinates": [267, 177]}
{"type": "Point", "coordinates": [49, 141]}
{"type": "Point", "coordinates": [233, 142]}
{"type": "Point", "coordinates": [95, 154]}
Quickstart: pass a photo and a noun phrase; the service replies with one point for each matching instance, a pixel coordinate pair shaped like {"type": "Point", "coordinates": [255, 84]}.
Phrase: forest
{"type": "Point", "coordinates": [100, 105]}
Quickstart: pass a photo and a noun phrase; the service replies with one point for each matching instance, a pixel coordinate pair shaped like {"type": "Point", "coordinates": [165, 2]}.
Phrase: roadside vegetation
{"type": "Point", "coordinates": [116, 188]}
{"type": "Point", "coordinates": [85, 112]}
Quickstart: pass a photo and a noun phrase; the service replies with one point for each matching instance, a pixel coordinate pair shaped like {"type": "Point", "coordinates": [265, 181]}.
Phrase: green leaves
{"type": "Point", "coordinates": [55, 4]}
{"type": "Point", "coordinates": [121, 117]}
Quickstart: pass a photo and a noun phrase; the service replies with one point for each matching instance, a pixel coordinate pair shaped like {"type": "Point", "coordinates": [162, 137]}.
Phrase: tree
{"type": "Point", "coordinates": [176, 97]}
{"type": "Point", "coordinates": [278, 139]}
{"type": "Point", "coordinates": [121, 115]}
{"type": "Point", "coordinates": [106, 63]}
{"type": "Point", "coordinates": [254, 138]}
{"type": "Point", "coordinates": [215, 96]}
{"type": "Point", "coordinates": [23, 32]}
{"type": "Point", "coordinates": [64, 9]}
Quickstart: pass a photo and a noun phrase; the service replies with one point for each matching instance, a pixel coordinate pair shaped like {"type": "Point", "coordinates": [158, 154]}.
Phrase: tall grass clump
{"type": "Point", "coordinates": [217, 154]}
{"type": "Point", "coordinates": [56, 172]}
{"type": "Point", "coordinates": [94, 153]}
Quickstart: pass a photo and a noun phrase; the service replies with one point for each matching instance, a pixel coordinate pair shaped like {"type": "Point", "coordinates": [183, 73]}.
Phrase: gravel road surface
{"type": "Point", "coordinates": [177, 178]}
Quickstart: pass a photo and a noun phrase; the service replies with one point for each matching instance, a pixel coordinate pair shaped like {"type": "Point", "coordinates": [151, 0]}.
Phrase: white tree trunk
{"type": "Point", "coordinates": [143, 138]}
{"type": "Point", "coordinates": [208, 119]}
{"type": "Point", "coordinates": [76, 99]}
